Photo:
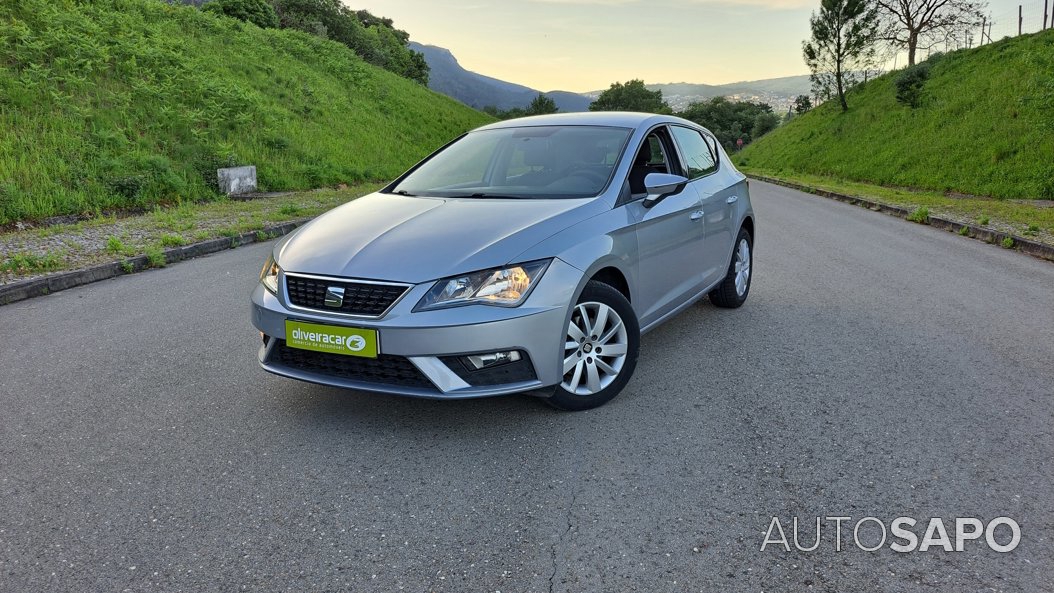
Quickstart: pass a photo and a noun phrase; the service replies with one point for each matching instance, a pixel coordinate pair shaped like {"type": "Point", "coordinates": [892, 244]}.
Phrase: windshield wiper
{"type": "Point", "coordinates": [403, 192]}
{"type": "Point", "coordinates": [486, 195]}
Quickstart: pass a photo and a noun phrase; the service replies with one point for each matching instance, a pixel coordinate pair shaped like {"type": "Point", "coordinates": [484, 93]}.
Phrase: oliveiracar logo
{"type": "Point", "coordinates": [331, 339]}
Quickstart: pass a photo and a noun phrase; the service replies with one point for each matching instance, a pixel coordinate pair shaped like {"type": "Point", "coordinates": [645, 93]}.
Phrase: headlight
{"type": "Point", "coordinates": [506, 287]}
{"type": "Point", "coordinates": [269, 275]}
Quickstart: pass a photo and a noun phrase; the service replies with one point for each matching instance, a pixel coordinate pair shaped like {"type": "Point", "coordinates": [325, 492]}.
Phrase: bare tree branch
{"type": "Point", "coordinates": [915, 24]}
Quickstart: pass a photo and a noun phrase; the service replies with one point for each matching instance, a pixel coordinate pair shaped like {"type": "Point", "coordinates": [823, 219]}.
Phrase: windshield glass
{"type": "Point", "coordinates": [530, 162]}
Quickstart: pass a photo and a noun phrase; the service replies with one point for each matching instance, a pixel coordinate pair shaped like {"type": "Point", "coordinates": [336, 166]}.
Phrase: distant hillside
{"type": "Point", "coordinates": [130, 103]}
{"type": "Point", "coordinates": [777, 92]}
{"type": "Point", "coordinates": [447, 76]}
{"type": "Point", "coordinates": [985, 126]}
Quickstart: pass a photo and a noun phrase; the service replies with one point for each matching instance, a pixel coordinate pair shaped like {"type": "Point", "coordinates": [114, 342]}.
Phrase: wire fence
{"type": "Point", "coordinates": [1025, 19]}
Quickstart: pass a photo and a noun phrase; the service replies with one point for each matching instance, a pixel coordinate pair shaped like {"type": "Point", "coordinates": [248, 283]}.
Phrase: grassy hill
{"type": "Point", "coordinates": [132, 103]}
{"type": "Point", "coordinates": [985, 127]}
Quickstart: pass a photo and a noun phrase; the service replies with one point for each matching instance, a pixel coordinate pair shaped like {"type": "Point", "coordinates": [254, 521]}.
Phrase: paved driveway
{"type": "Point", "coordinates": [879, 369]}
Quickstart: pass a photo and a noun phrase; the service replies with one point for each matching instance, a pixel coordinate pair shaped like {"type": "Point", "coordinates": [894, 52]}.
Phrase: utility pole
{"type": "Point", "coordinates": [1045, 2]}
{"type": "Point", "coordinates": [1020, 19]}
{"type": "Point", "coordinates": [983, 20]}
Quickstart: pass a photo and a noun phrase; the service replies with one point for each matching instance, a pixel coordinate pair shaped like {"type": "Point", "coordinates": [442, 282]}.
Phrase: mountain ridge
{"type": "Point", "coordinates": [476, 90]}
{"type": "Point", "coordinates": [449, 77]}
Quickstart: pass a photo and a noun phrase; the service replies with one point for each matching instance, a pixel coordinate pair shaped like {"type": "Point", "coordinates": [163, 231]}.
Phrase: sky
{"type": "Point", "coordinates": [585, 45]}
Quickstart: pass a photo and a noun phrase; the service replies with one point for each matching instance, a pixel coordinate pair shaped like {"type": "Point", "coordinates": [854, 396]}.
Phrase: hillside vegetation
{"type": "Point", "coordinates": [131, 103]}
{"type": "Point", "coordinates": [984, 126]}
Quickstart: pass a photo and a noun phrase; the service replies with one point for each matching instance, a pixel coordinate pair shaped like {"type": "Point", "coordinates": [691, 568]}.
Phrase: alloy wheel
{"type": "Point", "coordinates": [742, 267]}
{"type": "Point", "coordinates": [595, 348]}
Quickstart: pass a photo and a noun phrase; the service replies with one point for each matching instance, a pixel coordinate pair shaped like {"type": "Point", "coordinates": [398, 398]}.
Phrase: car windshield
{"type": "Point", "coordinates": [527, 162]}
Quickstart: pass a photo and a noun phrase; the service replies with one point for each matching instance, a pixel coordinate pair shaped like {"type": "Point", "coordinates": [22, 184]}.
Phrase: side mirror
{"type": "Point", "coordinates": [661, 185]}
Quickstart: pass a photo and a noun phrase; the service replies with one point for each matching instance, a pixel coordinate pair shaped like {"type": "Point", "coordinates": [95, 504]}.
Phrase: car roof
{"type": "Point", "coordinates": [619, 119]}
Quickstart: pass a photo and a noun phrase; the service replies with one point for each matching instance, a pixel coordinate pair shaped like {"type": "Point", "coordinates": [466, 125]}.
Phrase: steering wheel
{"type": "Point", "coordinates": [593, 176]}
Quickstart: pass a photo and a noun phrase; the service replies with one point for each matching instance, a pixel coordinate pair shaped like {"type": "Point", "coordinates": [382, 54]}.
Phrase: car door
{"type": "Point", "coordinates": [669, 238]}
{"type": "Point", "coordinates": [701, 165]}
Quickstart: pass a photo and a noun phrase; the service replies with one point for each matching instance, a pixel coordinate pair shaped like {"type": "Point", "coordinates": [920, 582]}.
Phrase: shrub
{"type": "Point", "coordinates": [258, 12]}
{"type": "Point", "coordinates": [909, 84]}
{"type": "Point", "coordinates": [763, 124]}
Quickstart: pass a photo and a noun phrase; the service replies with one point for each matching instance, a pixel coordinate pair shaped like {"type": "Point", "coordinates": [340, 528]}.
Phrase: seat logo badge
{"type": "Point", "coordinates": [335, 296]}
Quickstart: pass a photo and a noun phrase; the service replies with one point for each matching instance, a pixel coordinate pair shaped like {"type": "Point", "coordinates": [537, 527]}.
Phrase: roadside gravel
{"type": "Point", "coordinates": [36, 251]}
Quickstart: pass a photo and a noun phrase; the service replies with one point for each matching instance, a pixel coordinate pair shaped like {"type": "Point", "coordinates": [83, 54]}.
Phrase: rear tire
{"type": "Point", "coordinates": [733, 290]}
{"type": "Point", "coordinates": [599, 351]}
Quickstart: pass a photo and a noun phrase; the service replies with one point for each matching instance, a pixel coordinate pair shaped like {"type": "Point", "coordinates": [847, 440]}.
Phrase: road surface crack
{"type": "Point", "coordinates": [563, 536]}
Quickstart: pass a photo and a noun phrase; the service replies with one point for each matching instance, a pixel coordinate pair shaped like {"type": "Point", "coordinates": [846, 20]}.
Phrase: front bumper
{"type": "Point", "coordinates": [428, 339]}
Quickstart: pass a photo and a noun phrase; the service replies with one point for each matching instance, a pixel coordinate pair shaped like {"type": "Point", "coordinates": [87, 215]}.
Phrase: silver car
{"type": "Point", "coordinates": [525, 256]}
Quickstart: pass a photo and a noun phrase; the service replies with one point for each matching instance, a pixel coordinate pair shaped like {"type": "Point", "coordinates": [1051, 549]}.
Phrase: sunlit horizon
{"type": "Point", "coordinates": [585, 45]}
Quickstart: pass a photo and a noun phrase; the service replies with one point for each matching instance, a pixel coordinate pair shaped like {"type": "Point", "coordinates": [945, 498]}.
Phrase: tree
{"type": "Point", "coordinates": [802, 103]}
{"type": "Point", "coordinates": [921, 24]}
{"type": "Point", "coordinates": [729, 120]}
{"type": "Point", "coordinates": [542, 105]}
{"type": "Point", "coordinates": [842, 44]}
{"type": "Point", "coordinates": [631, 96]}
{"type": "Point", "coordinates": [763, 124]}
{"type": "Point", "coordinates": [374, 39]}
{"type": "Point", "coordinates": [257, 12]}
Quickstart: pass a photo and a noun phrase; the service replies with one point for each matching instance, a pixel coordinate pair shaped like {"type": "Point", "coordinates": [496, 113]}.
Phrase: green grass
{"type": "Point", "coordinates": [1016, 215]}
{"type": "Point", "coordinates": [115, 246]}
{"type": "Point", "coordinates": [117, 104]}
{"type": "Point", "coordinates": [985, 127]}
{"type": "Point", "coordinates": [28, 263]}
{"type": "Point", "coordinates": [920, 215]}
{"type": "Point", "coordinates": [290, 210]}
{"type": "Point", "coordinates": [170, 240]}
{"type": "Point", "coordinates": [155, 257]}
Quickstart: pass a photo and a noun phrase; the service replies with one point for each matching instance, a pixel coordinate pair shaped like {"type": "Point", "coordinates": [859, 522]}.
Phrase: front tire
{"type": "Point", "coordinates": [733, 290]}
{"type": "Point", "coordinates": [600, 349]}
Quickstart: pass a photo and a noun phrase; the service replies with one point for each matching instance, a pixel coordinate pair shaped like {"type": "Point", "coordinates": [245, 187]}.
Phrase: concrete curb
{"type": "Point", "coordinates": [26, 289]}
{"type": "Point", "coordinates": [1033, 248]}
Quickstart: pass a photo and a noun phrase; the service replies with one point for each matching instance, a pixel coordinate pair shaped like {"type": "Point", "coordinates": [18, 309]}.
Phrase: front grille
{"type": "Point", "coordinates": [383, 370]}
{"type": "Point", "coordinates": [360, 298]}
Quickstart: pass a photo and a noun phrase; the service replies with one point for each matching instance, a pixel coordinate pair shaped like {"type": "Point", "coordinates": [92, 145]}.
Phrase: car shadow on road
{"type": "Point", "coordinates": [346, 409]}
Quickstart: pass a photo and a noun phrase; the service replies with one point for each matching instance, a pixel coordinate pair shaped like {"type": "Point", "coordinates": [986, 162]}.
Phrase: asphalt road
{"type": "Point", "coordinates": [880, 368]}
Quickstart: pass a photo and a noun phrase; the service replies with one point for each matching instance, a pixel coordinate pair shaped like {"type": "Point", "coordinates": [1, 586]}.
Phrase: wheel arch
{"type": "Point", "coordinates": [748, 224]}
{"type": "Point", "coordinates": [614, 278]}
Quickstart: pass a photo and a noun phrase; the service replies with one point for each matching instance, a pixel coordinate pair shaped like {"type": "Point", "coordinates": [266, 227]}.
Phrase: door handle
{"type": "Point", "coordinates": [698, 214]}
{"type": "Point", "coordinates": [732, 199]}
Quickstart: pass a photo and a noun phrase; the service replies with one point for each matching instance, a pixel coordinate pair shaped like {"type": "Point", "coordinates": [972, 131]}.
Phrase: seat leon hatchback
{"type": "Point", "coordinates": [526, 256]}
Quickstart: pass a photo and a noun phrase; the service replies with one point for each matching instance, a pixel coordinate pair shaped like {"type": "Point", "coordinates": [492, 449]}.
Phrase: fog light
{"type": "Point", "coordinates": [482, 361]}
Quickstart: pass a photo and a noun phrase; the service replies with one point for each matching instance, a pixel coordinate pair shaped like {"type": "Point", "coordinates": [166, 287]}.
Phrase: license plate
{"type": "Point", "coordinates": [348, 341]}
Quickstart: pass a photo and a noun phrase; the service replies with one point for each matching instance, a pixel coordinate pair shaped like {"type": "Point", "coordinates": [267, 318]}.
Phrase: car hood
{"type": "Point", "coordinates": [417, 239]}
